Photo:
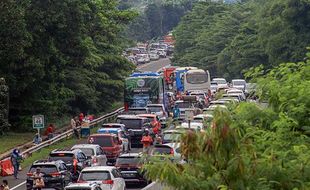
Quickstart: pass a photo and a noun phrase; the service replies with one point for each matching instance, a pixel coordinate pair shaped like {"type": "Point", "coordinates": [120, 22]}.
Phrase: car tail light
{"type": "Point", "coordinates": [126, 106]}
{"type": "Point", "coordinates": [110, 182]}
{"type": "Point", "coordinates": [29, 174]}
{"type": "Point", "coordinates": [56, 174]}
{"type": "Point", "coordinates": [171, 151]}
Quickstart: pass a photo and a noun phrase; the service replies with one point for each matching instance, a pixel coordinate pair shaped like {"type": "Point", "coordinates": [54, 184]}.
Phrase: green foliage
{"type": "Point", "coordinates": [4, 106]}
{"type": "Point", "coordinates": [251, 147]}
{"type": "Point", "coordinates": [228, 39]}
{"type": "Point", "coordinates": [62, 57]}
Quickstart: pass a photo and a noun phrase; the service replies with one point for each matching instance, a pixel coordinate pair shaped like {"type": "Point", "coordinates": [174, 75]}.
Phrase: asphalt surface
{"type": "Point", "coordinates": [20, 183]}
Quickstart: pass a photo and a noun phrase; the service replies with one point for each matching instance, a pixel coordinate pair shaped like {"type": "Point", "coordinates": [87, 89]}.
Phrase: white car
{"type": "Point", "coordinates": [217, 102]}
{"type": "Point", "coordinates": [157, 109]}
{"type": "Point", "coordinates": [108, 177]}
{"type": "Point", "coordinates": [238, 84]}
{"type": "Point", "coordinates": [234, 96]}
{"type": "Point", "coordinates": [154, 55]}
{"type": "Point", "coordinates": [83, 186]}
{"type": "Point", "coordinates": [172, 135]}
{"type": "Point", "coordinates": [221, 82]}
{"type": "Point", "coordinates": [93, 152]}
{"type": "Point", "coordinates": [202, 118]}
{"type": "Point", "coordinates": [196, 126]}
{"type": "Point", "coordinates": [237, 91]}
{"type": "Point", "coordinates": [172, 150]}
{"type": "Point", "coordinates": [162, 53]}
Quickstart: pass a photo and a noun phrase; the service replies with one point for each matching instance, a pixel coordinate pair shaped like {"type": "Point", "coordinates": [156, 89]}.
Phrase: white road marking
{"type": "Point", "coordinates": [18, 185]}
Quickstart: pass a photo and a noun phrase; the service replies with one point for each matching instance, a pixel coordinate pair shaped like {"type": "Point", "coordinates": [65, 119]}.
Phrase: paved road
{"type": "Point", "coordinates": [20, 184]}
{"type": "Point", "coordinates": [155, 65]}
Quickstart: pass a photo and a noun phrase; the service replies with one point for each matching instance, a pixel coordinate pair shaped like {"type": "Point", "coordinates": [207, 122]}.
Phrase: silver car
{"type": "Point", "coordinates": [93, 152]}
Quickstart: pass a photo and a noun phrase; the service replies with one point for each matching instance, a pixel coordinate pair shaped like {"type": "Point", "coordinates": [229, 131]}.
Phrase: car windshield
{"type": "Point", "coordinates": [161, 150]}
{"type": "Point", "coordinates": [195, 78]}
{"type": "Point", "coordinates": [238, 82]}
{"type": "Point", "coordinates": [46, 169]}
{"type": "Point", "coordinates": [155, 108]}
{"type": "Point", "coordinates": [198, 119]}
{"type": "Point", "coordinates": [183, 104]}
{"type": "Point", "coordinates": [103, 141]}
{"type": "Point", "coordinates": [87, 151]}
{"type": "Point", "coordinates": [171, 136]}
{"type": "Point", "coordinates": [130, 160]}
{"type": "Point", "coordinates": [220, 81]}
{"type": "Point", "coordinates": [95, 176]}
{"type": "Point", "coordinates": [132, 123]}
{"type": "Point", "coordinates": [67, 157]}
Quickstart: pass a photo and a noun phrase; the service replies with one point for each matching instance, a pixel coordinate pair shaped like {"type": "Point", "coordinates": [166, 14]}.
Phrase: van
{"type": "Point", "coordinates": [110, 143]}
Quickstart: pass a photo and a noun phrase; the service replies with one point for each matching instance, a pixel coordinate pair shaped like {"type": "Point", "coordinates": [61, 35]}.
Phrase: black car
{"type": "Point", "coordinates": [135, 126]}
{"type": "Point", "coordinates": [130, 167]}
{"type": "Point", "coordinates": [55, 174]}
{"type": "Point", "coordinates": [67, 156]}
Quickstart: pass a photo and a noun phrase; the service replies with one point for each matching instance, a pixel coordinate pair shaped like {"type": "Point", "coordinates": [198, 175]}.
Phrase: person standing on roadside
{"type": "Point", "coordinates": [16, 159]}
{"type": "Point", "coordinates": [73, 126]}
{"type": "Point", "coordinates": [146, 141]}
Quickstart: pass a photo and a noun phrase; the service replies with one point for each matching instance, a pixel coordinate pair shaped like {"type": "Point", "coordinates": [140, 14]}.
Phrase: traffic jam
{"type": "Point", "coordinates": [158, 108]}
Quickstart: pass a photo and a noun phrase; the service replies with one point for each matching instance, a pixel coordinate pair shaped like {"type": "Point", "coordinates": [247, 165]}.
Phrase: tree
{"type": "Point", "coordinates": [4, 106]}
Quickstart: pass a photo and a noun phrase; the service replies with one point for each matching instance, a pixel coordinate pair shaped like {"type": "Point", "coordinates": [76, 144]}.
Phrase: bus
{"type": "Point", "coordinates": [179, 77]}
{"type": "Point", "coordinates": [142, 89]}
{"type": "Point", "coordinates": [197, 80]}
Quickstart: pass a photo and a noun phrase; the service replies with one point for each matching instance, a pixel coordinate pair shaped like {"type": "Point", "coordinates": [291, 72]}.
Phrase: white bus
{"type": "Point", "coordinates": [197, 80]}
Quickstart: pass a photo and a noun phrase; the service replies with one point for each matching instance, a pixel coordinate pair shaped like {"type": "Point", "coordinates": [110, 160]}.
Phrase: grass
{"type": "Point", "coordinates": [10, 140]}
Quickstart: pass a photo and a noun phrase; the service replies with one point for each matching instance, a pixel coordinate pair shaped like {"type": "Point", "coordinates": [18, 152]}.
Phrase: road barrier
{"type": "Point", "coordinates": [6, 167]}
{"type": "Point", "coordinates": [58, 137]}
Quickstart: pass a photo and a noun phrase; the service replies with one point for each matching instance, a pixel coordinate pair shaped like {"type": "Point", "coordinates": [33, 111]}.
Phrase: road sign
{"type": "Point", "coordinates": [189, 114]}
{"type": "Point", "coordinates": [38, 121]}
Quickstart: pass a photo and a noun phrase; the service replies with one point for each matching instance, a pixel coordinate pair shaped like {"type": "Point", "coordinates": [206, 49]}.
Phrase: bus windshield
{"type": "Point", "coordinates": [196, 78]}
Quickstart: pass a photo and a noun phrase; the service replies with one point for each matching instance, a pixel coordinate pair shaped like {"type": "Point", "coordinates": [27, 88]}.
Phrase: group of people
{"type": "Point", "coordinates": [49, 132]}
{"type": "Point", "coordinates": [77, 121]}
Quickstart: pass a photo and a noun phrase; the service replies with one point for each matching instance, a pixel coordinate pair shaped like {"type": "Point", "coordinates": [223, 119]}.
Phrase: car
{"type": "Point", "coordinates": [213, 87]}
{"type": "Point", "coordinates": [108, 177]}
{"type": "Point", "coordinates": [172, 135]}
{"type": "Point", "coordinates": [234, 96]}
{"type": "Point", "coordinates": [218, 102]}
{"type": "Point", "coordinates": [120, 134]}
{"type": "Point", "coordinates": [135, 111]}
{"type": "Point", "coordinates": [183, 105]}
{"type": "Point", "coordinates": [93, 152]}
{"type": "Point", "coordinates": [154, 55]}
{"type": "Point", "coordinates": [158, 109]}
{"type": "Point", "coordinates": [201, 96]}
{"type": "Point", "coordinates": [68, 156]}
{"type": "Point", "coordinates": [202, 118]}
{"type": "Point", "coordinates": [130, 166]}
{"type": "Point", "coordinates": [168, 150]}
{"type": "Point", "coordinates": [236, 91]}
{"type": "Point", "coordinates": [135, 126]}
{"type": "Point", "coordinates": [110, 143]}
{"type": "Point", "coordinates": [162, 53]}
{"type": "Point", "coordinates": [238, 84]}
{"type": "Point", "coordinates": [221, 82]}
{"type": "Point", "coordinates": [83, 186]}
{"type": "Point", "coordinates": [114, 125]}
{"type": "Point", "coordinates": [55, 174]}
{"type": "Point", "coordinates": [154, 122]}
{"type": "Point", "coordinates": [194, 126]}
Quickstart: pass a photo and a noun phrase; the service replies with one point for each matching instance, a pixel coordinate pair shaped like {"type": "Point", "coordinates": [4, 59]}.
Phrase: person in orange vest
{"type": "Point", "coordinates": [147, 140]}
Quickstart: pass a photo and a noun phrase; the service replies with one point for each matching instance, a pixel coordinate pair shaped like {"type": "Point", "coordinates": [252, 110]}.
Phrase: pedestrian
{"type": "Point", "coordinates": [37, 139]}
{"type": "Point", "coordinates": [176, 111]}
{"type": "Point", "coordinates": [158, 139]}
{"type": "Point", "coordinates": [81, 117]}
{"type": "Point", "coordinates": [74, 128]}
{"type": "Point", "coordinates": [50, 131]}
{"type": "Point", "coordinates": [38, 182]}
{"type": "Point", "coordinates": [5, 184]}
{"type": "Point", "coordinates": [146, 141]}
{"type": "Point", "coordinates": [16, 158]}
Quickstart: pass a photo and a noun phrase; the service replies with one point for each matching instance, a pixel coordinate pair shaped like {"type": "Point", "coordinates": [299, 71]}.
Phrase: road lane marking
{"type": "Point", "coordinates": [18, 185]}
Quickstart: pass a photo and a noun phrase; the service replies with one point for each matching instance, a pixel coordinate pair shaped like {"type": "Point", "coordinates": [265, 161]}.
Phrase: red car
{"type": "Point", "coordinates": [110, 143]}
{"type": "Point", "coordinates": [155, 123]}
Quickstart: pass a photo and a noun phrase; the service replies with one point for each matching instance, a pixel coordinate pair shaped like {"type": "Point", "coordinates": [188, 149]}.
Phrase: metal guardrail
{"type": "Point", "coordinates": [68, 133]}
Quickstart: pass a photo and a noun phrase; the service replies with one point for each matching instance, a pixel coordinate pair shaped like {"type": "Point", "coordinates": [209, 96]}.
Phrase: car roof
{"type": "Point", "coordinates": [147, 115]}
{"type": "Point", "coordinates": [46, 162]}
{"type": "Point", "coordinates": [129, 117]}
{"type": "Point", "coordinates": [68, 151]}
{"type": "Point", "coordinates": [102, 134]}
{"type": "Point", "coordinates": [111, 124]}
{"type": "Point", "coordinates": [130, 155]}
{"type": "Point", "coordinates": [159, 105]}
{"type": "Point", "coordinates": [99, 168]}
{"type": "Point", "coordinates": [203, 115]}
{"type": "Point", "coordinates": [172, 131]}
{"type": "Point", "coordinates": [77, 146]}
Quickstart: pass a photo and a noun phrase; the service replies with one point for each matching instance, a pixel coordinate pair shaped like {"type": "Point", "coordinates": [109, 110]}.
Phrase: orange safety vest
{"type": "Point", "coordinates": [75, 162]}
